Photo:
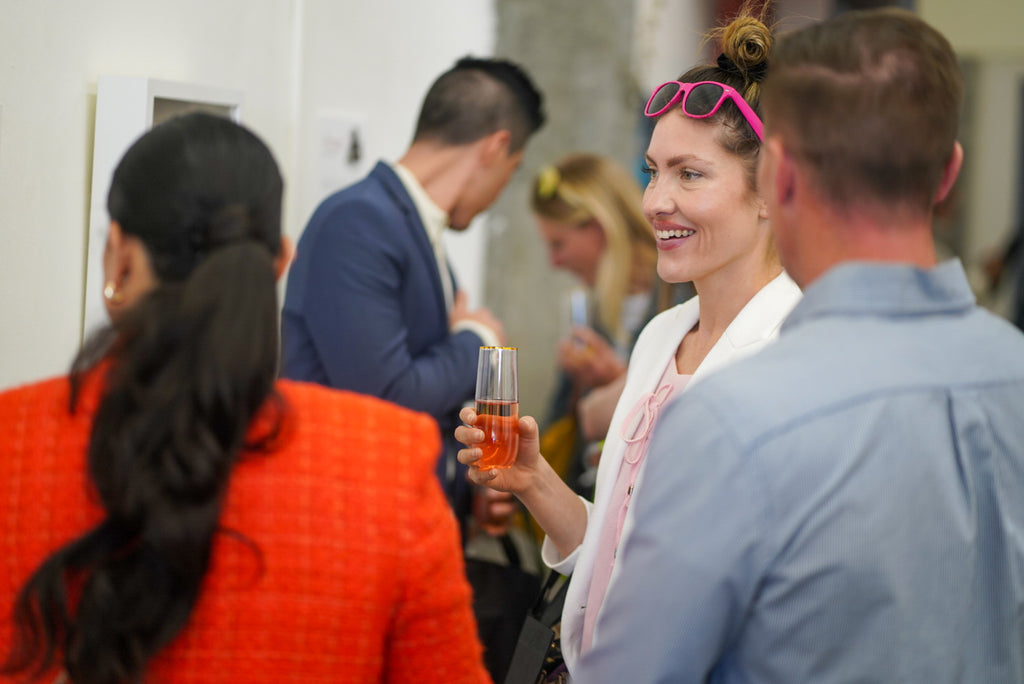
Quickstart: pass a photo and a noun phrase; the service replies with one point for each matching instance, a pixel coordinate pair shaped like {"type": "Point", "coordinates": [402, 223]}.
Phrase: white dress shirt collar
{"type": "Point", "coordinates": [435, 219]}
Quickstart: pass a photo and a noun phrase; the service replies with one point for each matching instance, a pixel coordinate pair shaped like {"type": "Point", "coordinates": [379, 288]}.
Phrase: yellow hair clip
{"type": "Point", "coordinates": [547, 182]}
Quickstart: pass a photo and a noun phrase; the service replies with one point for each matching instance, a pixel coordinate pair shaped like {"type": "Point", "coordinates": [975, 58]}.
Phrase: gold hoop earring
{"type": "Point", "coordinates": [111, 294]}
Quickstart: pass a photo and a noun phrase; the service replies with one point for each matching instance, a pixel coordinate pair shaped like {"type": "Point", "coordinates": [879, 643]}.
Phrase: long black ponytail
{"type": "Point", "coordinates": [187, 369]}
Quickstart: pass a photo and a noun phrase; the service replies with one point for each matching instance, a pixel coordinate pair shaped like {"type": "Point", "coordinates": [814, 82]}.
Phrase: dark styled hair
{"type": "Point", "coordinates": [746, 44]}
{"type": "Point", "coordinates": [187, 368]}
{"type": "Point", "coordinates": [478, 97]}
{"type": "Point", "coordinates": [870, 101]}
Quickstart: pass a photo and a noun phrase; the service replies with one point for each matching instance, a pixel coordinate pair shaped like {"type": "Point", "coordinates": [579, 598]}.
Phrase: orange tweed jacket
{"type": "Point", "coordinates": [362, 577]}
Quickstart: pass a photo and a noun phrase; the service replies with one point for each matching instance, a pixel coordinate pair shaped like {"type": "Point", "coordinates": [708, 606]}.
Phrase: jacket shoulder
{"type": "Point", "coordinates": [350, 420]}
{"type": "Point", "coordinates": [50, 396]}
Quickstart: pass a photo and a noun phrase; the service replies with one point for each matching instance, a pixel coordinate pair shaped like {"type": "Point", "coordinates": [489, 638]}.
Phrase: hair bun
{"type": "Point", "coordinates": [746, 44]}
{"type": "Point", "coordinates": [755, 73]}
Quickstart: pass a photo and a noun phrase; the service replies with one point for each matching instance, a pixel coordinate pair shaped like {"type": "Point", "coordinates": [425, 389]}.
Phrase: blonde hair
{"type": "Point", "coordinates": [584, 188]}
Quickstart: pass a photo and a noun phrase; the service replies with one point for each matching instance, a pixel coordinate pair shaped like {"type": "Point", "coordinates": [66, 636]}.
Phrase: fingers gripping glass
{"type": "Point", "coordinates": [699, 101]}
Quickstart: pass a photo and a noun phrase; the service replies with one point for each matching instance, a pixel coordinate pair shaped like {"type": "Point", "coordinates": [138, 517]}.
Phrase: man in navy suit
{"type": "Point", "coordinates": [371, 305]}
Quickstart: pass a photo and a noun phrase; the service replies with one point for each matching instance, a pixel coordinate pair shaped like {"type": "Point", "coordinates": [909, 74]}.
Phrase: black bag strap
{"type": "Point", "coordinates": [511, 552]}
{"type": "Point", "coordinates": [539, 604]}
{"type": "Point", "coordinates": [547, 609]}
{"type": "Point", "coordinates": [538, 656]}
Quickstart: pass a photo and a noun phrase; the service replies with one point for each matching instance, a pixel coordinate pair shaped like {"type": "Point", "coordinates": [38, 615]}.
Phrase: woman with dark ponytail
{"type": "Point", "coordinates": [172, 512]}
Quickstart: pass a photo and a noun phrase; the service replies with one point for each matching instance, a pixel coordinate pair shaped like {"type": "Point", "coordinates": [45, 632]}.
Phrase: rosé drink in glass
{"type": "Point", "coordinates": [497, 406]}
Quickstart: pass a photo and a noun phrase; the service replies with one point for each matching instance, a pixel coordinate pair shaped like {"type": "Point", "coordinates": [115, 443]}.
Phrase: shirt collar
{"type": "Point", "coordinates": [885, 289]}
{"type": "Point", "coordinates": [435, 219]}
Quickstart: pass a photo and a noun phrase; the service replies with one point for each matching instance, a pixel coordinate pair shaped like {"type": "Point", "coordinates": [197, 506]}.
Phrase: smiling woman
{"type": "Point", "coordinates": [712, 228]}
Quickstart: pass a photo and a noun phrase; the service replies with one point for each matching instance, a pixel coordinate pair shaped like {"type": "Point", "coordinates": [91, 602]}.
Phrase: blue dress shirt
{"type": "Point", "coordinates": [845, 506]}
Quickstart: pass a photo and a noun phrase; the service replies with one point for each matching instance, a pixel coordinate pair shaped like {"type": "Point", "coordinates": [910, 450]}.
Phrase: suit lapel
{"type": "Point", "coordinates": [417, 233]}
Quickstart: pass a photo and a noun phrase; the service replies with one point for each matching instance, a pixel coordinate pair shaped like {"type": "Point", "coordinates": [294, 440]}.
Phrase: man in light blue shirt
{"type": "Point", "coordinates": [848, 505]}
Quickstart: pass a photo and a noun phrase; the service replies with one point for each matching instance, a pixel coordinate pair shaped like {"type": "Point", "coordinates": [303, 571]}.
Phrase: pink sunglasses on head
{"type": "Point", "coordinates": [699, 101]}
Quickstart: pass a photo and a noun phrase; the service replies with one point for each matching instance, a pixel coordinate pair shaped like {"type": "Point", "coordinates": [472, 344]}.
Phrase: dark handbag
{"type": "Point", "coordinates": [537, 658]}
{"type": "Point", "coordinates": [502, 596]}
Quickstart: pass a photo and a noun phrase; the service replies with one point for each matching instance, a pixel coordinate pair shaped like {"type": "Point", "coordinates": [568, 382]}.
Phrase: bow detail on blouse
{"type": "Point", "coordinates": [641, 418]}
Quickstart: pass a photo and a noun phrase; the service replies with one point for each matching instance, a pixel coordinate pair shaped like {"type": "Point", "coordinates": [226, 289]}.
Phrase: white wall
{"type": "Point", "coordinates": [292, 59]}
{"type": "Point", "coordinates": [978, 27]}
{"type": "Point", "coordinates": [51, 53]}
{"type": "Point", "coordinates": [992, 150]}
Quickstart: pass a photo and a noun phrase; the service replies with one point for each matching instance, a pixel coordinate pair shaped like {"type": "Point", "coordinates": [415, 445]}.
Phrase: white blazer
{"type": "Point", "coordinates": [755, 326]}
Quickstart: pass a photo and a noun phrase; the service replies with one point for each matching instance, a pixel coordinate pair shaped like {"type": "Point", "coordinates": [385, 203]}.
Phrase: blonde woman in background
{"type": "Point", "coordinates": [588, 211]}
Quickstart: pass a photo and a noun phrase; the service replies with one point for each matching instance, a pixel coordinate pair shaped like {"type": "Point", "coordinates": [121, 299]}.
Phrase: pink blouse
{"type": "Point", "coordinates": [636, 433]}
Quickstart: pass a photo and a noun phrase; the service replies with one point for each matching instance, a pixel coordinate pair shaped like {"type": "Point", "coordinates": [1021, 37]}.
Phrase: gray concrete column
{"type": "Point", "coordinates": [580, 54]}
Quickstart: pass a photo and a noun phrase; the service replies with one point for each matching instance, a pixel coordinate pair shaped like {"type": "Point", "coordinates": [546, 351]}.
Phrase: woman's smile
{"type": "Point", "coordinates": [670, 237]}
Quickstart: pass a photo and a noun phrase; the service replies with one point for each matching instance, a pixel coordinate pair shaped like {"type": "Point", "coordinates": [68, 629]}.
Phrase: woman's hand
{"type": "Point", "coordinates": [552, 504]}
{"type": "Point", "coordinates": [515, 479]}
{"type": "Point", "coordinates": [588, 359]}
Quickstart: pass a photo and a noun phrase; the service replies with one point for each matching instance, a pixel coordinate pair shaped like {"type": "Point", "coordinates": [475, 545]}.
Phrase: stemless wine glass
{"type": "Point", "coordinates": [497, 406]}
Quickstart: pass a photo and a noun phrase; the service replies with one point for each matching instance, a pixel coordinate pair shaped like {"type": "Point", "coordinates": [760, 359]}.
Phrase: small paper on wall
{"type": "Point", "coordinates": [342, 155]}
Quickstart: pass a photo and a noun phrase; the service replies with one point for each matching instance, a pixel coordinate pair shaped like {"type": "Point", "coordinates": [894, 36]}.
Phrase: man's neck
{"type": "Point", "coordinates": [442, 170]}
{"type": "Point", "coordinates": [891, 236]}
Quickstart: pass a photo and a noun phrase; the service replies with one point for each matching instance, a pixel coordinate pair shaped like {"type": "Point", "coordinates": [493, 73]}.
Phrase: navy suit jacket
{"type": "Point", "coordinates": [364, 311]}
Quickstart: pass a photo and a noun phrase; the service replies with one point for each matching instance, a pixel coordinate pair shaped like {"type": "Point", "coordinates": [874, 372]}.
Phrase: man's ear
{"type": "Point", "coordinates": [495, 147]}
{"type": "Point", "coordinates": [950, 172]}
{"type": "Point", "coordinates": [783, 172]}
